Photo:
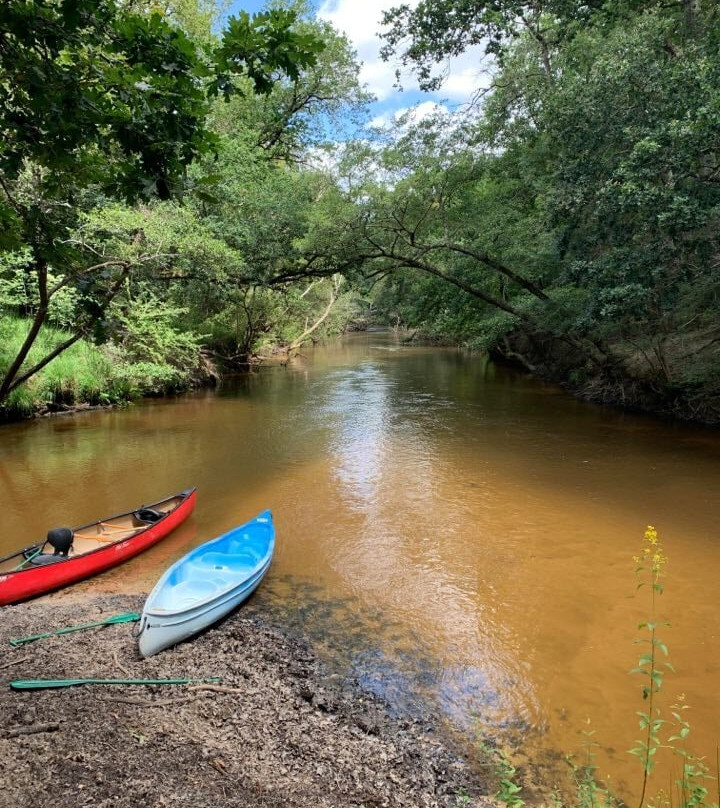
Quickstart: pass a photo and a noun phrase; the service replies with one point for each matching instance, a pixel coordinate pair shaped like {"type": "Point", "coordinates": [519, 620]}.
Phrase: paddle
{"type": "Point", "coordinates": [39, 684]}
{"type": "Point", "coordinates": [29, 558]}
{"type": "Point", "coordinates": [128, 617]}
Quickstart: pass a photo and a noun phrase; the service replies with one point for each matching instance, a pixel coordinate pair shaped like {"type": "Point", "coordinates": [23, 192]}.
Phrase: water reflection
{"type": "Point", "coordinates": [457, 536]}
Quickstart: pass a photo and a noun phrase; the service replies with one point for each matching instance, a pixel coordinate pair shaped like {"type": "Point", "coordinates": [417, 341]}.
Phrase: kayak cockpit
{"type": "Point", "coordinates": [204, 577]}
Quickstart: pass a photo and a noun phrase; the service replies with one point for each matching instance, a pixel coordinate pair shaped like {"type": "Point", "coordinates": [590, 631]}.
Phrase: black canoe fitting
{"type": "Point", "coordinates": [148, 515]}
{"type": "Point", "coordinates": [60, 539]}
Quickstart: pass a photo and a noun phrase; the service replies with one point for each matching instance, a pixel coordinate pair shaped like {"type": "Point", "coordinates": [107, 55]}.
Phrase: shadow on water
{"type": "Point", "coordinates": [383, 657]}
{"type": "Point", "coordinates": [367, 650]}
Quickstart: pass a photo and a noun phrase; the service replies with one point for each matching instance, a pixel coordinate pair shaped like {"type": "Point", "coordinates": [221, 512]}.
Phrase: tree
{"type": "Point", "coordinates": [98, 102]}
{"type": "Point", "coordinates": [610, 134]}
{"type": "Point", "coordinates": [416, 219]}
{"type": "Point", "coordinates": [434, 31]}
{"type": "Point", "coordinates": [437, 30]}
{"type": "Point", "coordinates": [302, 114]}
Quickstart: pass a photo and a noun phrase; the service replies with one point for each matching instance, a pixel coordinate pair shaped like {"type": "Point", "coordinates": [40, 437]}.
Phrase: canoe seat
{"type": "Point", "coordinates": [46, 558]}
{"type": "Point", "coordinates": [206, 576]}
{"type": "Point", "coordinates": [186, 593]}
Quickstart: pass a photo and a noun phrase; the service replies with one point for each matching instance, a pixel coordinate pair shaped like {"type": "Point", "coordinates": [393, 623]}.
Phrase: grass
{"type": "Point", "coordinates": [83, 374]}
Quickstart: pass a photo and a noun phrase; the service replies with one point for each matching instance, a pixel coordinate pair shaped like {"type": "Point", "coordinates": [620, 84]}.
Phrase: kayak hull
{"type": "Point", "coordinates": [206, 585]}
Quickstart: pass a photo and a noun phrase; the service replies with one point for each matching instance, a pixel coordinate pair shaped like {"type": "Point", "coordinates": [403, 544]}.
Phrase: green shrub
{"type": "Point", "coordinates": [91, 374]}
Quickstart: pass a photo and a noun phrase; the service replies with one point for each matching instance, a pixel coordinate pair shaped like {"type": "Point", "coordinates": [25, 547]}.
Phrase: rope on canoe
{"type": "Point", "coordinates": [119, 527]}
{"type": "Point", "coordinates": [127, 617]}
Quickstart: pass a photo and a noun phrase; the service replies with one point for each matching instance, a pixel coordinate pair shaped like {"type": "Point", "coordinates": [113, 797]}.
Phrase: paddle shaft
{"type": "Point", "coordinates": [40, 684]}
{"type": "Point", "coordinates": [129, 617]}
{"type": "Point", "coordinates": [29, 558]}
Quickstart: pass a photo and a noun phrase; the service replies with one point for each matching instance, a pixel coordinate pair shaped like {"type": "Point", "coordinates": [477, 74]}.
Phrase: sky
{"type": "Point", "coordinates": [360, 21]}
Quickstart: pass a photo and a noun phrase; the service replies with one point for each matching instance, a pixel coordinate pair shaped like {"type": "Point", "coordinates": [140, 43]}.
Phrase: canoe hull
{"type": "Point", "coordinates": [30, 582]}
{"type": "Point", "coordinates": [166, 621]}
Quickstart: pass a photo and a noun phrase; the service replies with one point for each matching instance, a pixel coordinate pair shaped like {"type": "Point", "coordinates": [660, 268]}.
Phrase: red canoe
{"type": "Point", "coordinates": [95, 547]}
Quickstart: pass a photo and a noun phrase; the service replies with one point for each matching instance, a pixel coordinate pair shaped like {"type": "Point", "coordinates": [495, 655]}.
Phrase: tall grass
{"type": "Point", "coordinates": [83, 374]}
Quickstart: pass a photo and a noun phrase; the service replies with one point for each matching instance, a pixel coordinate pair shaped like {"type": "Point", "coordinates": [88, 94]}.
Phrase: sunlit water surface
{"type": "Point", "coordinates": [456, 535]}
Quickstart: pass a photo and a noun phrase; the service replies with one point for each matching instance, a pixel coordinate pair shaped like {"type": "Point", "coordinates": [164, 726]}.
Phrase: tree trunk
{"type": "Point", "coordinates": [296, 343]}
{"type": "Point", "coordinates": [13, 378]}
{"type": "Point", "coordinates": [40, 267]}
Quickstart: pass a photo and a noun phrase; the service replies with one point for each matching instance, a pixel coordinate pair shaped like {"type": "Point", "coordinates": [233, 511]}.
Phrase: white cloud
{"type": "Point", "coordinates": [468, 74]}
{"type": "Point", "coordinates": [360, 20]}
{"type": "Point", "coordinates": [414, 114]}
{"type": "Point", "coordinates": [323, 159]}
{"type": "Point", "coordinates": [383, 121]}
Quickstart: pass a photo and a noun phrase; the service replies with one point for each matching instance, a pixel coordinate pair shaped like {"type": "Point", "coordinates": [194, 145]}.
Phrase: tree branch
{"type": "Point", "coordinates": [483, 258]}
{"type": "Point", "coordinates": [40, 316]}
{"type": "Point", "coordinates": [296, 343]}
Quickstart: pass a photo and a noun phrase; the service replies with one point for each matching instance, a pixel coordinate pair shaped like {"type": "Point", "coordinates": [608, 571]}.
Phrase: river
{"type": "Point", "coordinates": [456, 534]}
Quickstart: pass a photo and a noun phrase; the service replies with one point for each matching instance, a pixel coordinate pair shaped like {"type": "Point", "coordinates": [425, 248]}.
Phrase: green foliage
{"type": "Point", "coordinates": [81, 374]}
{"type": "Point", "coordinates": [590, 792]}
{"type": "Point", "coordinates": [320, 104]}
{"type": "Point", "coordinates": [99, 103]}
{"type": "Point", "coordinates": [146, 329]}
{"type": "Point", "coordinates": [18, 294]}
{"type": "Point", "coordinates": [507, 789]}
{"type": "Point", "coordinates": [112, 374]}
{"type": "Point", "coordinates": [434, 31]}
{"type": "Point", "coordinates": [581, 201]}
{"type": "Point", "coordinates": [15, 295]}
{"type": "Point", "coordinates": [659, 734]}
{"type": "Point", "coordinates": [258, 47]}
{"type": "Point", "coordinates": [84, 81]}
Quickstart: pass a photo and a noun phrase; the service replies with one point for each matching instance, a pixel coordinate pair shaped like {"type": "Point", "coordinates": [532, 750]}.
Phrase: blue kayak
{"type": "Point", "coordinates": [206, 584]}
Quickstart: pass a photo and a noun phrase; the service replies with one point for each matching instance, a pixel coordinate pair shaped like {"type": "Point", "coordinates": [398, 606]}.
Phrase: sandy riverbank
{"type": "Point", "coordinates": [278, 731]}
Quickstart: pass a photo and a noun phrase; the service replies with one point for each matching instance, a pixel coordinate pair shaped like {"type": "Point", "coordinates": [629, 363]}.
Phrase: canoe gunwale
{"type": "Point", "coordinates": [184, 495]}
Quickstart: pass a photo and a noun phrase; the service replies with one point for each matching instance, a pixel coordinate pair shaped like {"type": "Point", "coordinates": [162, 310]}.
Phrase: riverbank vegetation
{"type": "Point", "coordinates": [186, 195]}
{"type": "Point", "coordinates": [150, 188]}
{"type": "Point", "coordinates": [671, 773]}
{"type": "Point", "coordinates": [569, 223]}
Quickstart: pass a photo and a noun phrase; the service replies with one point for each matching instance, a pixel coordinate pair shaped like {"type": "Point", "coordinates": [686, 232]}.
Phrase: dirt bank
{"type": "Point", "coordinates": [278, 731]}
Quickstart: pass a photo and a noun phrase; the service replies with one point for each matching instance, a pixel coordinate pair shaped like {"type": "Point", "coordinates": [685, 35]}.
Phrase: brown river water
{"type": "Point", "coordinates": [456, 535]}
